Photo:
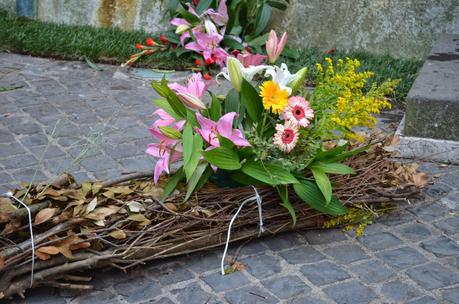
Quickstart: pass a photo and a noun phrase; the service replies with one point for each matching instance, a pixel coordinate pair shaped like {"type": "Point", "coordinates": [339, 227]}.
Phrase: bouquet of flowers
{"type": "Point", "coordinates": [269, 130]}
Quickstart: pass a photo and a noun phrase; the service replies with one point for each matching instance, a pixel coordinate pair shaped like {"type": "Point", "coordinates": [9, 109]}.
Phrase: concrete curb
{"type": "Point", "coordinates": [427, 149]}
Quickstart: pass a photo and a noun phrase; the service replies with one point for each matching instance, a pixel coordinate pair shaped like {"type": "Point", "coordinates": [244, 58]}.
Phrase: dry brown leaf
{"type": "Point", "coordinates": [51, 250]}
{"type": "Point", "coordinates": [92, 205]}
{"type": "Point", "coordinates": [42, 256]}
{"type": "Point", "coordinates": [85, 188]}
{"type": "Point", "coordinates": [2, 263]}
{"type": "Point", "coordinates": [141, 219]}
{"type": "Point", "coordinates": [82, 245]}
{"type": "Point", "coordinates": [171, 206]}
{"type": "Point", "coordinates": [118, 234]}
{"type": "Point", "coordinates": [44, 215]}
{"type": "Point", "coordinates": [238, 266]}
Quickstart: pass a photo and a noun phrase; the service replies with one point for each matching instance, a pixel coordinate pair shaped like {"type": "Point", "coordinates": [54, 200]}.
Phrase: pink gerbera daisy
{"type": "Point", "coordinates": [286, 136]}
{"type": "Point", "coordinates": [299, 111]}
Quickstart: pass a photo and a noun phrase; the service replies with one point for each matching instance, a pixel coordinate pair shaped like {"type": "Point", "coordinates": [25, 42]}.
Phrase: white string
{"type": "Point", "coordinates": [10, 195]}
{"type": "Point", "coordinates": [255, 198]}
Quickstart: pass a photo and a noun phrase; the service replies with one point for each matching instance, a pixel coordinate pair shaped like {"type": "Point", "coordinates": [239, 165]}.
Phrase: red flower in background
{"type": "Point", "coordinates": [149, 42]}
{"type": "Point", "coordinates": [163, 39]}
{"type": "Point", "coordinates": [138, 46]}
{"type": "Point", "coordinates": [207, 76]}
{"type": "Point", "coordinates": [196, 2]}
{"type": "Point", "coordinates": [197, 62]}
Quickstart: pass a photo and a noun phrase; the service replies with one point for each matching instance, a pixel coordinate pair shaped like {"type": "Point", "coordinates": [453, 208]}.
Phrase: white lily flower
{"type": "Point", "coordinates": [235, 72]}
{"type": "Point", "coordinates": [282, 76]}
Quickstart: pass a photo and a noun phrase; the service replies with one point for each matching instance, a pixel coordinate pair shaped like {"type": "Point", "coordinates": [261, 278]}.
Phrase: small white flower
{"type": "Point", "coordinates": [282, 76]}
{"type": "Point", "coordinates": [235, 71]}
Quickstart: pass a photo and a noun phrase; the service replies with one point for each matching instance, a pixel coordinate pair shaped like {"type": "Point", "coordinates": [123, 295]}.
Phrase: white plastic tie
{"type": "Point", "coordinates": [256, 198]}
{"type": "Point", "coordinates": [11, 196]}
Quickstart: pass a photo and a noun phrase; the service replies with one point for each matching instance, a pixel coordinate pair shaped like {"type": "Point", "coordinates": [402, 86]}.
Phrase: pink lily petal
{"type": "Point", "coordinates": [225, 124]}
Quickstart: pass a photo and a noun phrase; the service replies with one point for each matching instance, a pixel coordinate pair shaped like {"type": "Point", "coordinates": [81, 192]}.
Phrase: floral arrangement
{"type": "Point", "coordinates": [210, 31]}
{"type": "Point", "coordinates": [269, 130]}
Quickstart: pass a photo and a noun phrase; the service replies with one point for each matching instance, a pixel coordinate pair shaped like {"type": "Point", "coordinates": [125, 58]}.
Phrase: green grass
{"type": "Point", "coordinates": [22, 35]}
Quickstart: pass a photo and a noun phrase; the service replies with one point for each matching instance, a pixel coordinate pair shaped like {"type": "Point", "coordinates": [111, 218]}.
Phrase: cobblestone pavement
{"type": "Point", "coordinates": [65, 110]}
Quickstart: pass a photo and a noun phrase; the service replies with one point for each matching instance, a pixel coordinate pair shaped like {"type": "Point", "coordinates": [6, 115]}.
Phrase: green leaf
{"type": "Point", "coordinates": [172, 183]}
{"type": "Point", "coordinates": [334, 168]}
{"type": "Point", "coordinates": [283, 194]}
{"type": "Point", "coordinates": [189, 16]}
{"type": "Point", "coordinates": [258, 41]}
{"type": "Point", "coordinates": [223, 158]}
{"type": "Point", "coordinates": [193, 161]}
{"type": "Point", "coordinates": [324, 154]}
{"type": "Point", "coordinates": [263, 19]}
{"type": "Point", "coordinates": [311, 195]}
{"type": "Point", "coordinates": [244, 179]}
{"type": "Point", "coordinates": [231, 43]}
{"type": "Point", "coordinates": [251, 101]}
{"type": "Point", "coordinates": [164, 104]}
{"type": "Point", "coordinates": [187, 142]}
{"type": "Point", "coordinates": [323, 183]}
{"type": "Point", "coordinates": [279, 4]}
{"type": "Point", "coordinates": [92, 65]}
{"type": "Point", "coordinates": [291, 53]}
{"type": "Point", "coordinates": [233, 104]}
{"type": "Point", "coordinates": [203, 5]}
{"type": "Point", "coordinates": [225, 142]}
{"type": "Point", "coordinates": [172, 6]}
{"type": "Point", "coordinates": [163, 89]}
{"type": "Point", "coordinates": [346, 155]}
{"type": "Point", "coordinates": [170, 132]}
{"type": "Point", "coordinates": [194, 180]}
{"type": "Point", "coordinates": [268, 173]}
{"type": "Point", "coordinates": [215, 110]}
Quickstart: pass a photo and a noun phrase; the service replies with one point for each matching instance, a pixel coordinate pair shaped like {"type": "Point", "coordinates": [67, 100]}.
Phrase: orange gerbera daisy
{"type": "Point", "coordinates": [273, 97]}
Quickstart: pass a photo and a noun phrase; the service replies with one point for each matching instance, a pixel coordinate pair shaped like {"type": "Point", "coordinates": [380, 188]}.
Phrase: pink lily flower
{"type": "Point", "coordinates": [220, 16]}
{"type": "Point", "coordinates": [274, 47]}
{"type": "Point", "coordinates": [210, 130]}
{"type": "Point", "coordinates": [164, 120]}
{"type": "Point", "coordinates": [209, 45]}
{"type": "Point", "coordinates": [167, 154]}
{"type": "Point", "coordinates": [192, 93]}
{"type": "Point", "coordinates": [248, 59]}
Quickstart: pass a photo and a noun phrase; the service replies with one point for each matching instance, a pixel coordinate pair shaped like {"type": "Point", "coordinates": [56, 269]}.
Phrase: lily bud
{"type": "Point", "coordinates": [182, 29]}
{"type": "Point", "coordinates": [210, 27]}
{"type": "Point", "coordinates": [170, 132]}
{"type": "Point", "coordinates": [298, 81]}
{"type": "Point", "coordinates": [234, 72]}
{"type": "Point", "coordinates": [274, 47]}
{"type": "Point", "coordinates": [191, 101]}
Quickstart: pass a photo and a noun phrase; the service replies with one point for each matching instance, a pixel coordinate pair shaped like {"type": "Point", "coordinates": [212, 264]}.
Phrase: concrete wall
{"type": "Point", "coordinates": [403, 28]}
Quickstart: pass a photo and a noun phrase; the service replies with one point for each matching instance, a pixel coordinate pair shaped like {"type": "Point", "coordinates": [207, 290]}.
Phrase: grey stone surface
{"type": "Point", "coordinates": [433, 101]}
{"type": "Point", "coordinates": [303, 267]}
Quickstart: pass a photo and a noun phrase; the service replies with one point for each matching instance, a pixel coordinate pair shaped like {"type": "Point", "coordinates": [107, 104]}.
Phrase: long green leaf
{"type": "Point", "coordinates": [283, 194]}
{"type": "Point", "coordinates": [203, 5]}
{"type": "Point", "coordinates": [263, 19]}
{"type": "Point", "coordinates": [311, 195]}
{"type": "Point", "coordinates": [194, 180]}
{"type": "Point", "coordinates": [251, 101]}
{"type": "Point", "coordinates": [172, 183]}
{"type": "Point", "coordinates": [164, 104]}
{"type": "Point", "coordinates": [163, 89]}
{"type": "Point", "coordinates": [223, 158]}
{"type": "Point", "coordinates": [215, 110]}
{"type": "Point", "coordinates": [271, 174]}
{"type": "Point", "coordinates": [193, 162]}
{"type": "Point", "coordinates": [334, 168]}
{"type": "Point", "coordinates": [323, 183]}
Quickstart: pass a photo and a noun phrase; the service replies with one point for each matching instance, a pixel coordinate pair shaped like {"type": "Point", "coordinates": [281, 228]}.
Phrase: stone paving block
{"type": "Point", "coordinates": [255, 246]}
{"type": "Point", "coordinates": [286, 287]}
{"type": "Point", "coordinates": [250, 294]}
{"type": "Point", "coordinates": [441, 247]}
{"type": "Point", "coordinates": [449, 225]}
{"type": "Point", "coordinates": [350, 292]}
{"type": "Point", "coordinates": [138, 164]}
{"type": "Point", "coordinates": [204, 261]}
{"type": "Point", "coordinates": [160, 301]}
{"type": "Point", "coordinates": [138, 289]}
{"type": "Point", "coordinates": [402, 257]}
{"type": "Point", "coordinates": [372, 271]}
{"type": "Point", "coordinates": [262, 266]}
{"type": "Point", "coordinates": [307, 300]}
{"type": "Point", "coordinates": [399, 291]}
{"type": "Point", "coordinates": [451, 295]}
{"type": "Point", "coordinates": [42, 295]}
{"type": "Point", "coordinates": [99, 297]}
{"type": "Point", "coordinates": [47, 152]}
{"type": "Point", "coordinates": [324, 273]}
{"type": "Point", "coordinates": [415, 231]}
{"type": "Point", "coordinates": [424, 300]}
{"type": "Point", "coordinates": [396, 218]}
{"type": "Point", "coordinates": [227, 282]}
{"type": "Point", "coordinates": [193, 294]}
{"type": "Point", "coordinates": [22, 125]}
{"type": "Point", "coordinates": [380, 241]}
{"type": "Point", "coordinates": [171, 273]}
{"type": "Point", "coordinates": [6, 136]}
{"type": "Point", "coordinates": [93, 164]}
{"type": "Point", "coordinates": [436, 190]}
{"type": "Point", "coordinates": [11, 149]}
{"type": "Point", "coordinates": [28, 175]}
{"type": "Point", "coordinates": [345, 254]}
{"type": "Point", "coordinates": [279, 242]}
{"type": "Point", "coordinates": [302, 255]}
{"type": "Point", "coordinates": [318, 237]}
{"type": "Point", "coordinates": [433, 275]}
{"type": "Point", "coordinates": [39, 139]}
{"type": "Point", "coordinates": [19, 161]}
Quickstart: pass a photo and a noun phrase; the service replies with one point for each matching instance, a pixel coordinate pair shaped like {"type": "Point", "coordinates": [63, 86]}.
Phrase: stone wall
{"type": "Point", "coordinates": [403, 28]}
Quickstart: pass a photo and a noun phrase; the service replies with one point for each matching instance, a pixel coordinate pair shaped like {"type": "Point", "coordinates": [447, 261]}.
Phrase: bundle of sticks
{"type": "Point", "coordinates": [122, 223]}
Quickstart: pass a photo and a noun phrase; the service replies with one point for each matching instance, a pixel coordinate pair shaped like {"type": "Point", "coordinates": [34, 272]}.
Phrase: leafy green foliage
{"type": "Point", "coordinates": [251, 101]}
{"type": "Point", "coordinates": [312, 195]}
{"type": "Point", "coordinates": [224, 158]}
{"type": "Point", "coordinates": [269, 173]}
